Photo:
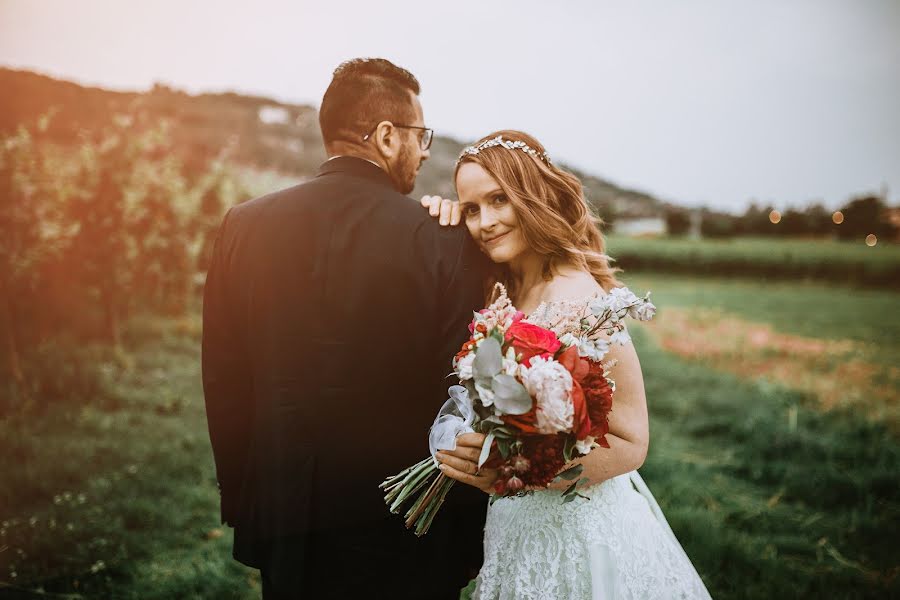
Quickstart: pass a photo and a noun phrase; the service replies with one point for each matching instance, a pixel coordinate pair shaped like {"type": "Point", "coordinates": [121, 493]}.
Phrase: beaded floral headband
{"type": "Point", "coordinates": [508, 144]}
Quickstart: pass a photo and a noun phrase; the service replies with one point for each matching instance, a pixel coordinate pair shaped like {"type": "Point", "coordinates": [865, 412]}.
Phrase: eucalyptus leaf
{"type": "Point", "coordinates": [488, 359]}
{"type": "Point", "coordinates": [493, 419]}
{"type": "Point", "coordinates": [510, 396]}
{"type": "Point", "coordinates": [486, 448]}
{"type": "Point", "coordinates": [483, 387]}
{"type": "Point", "coordinates": [503, 432]}
{"type": "Point", "coordinates": [571, 473]}
{"type": "Point", "coordinates": [569, 449]}
{"type": "Point", "coordinates": [503, 446]}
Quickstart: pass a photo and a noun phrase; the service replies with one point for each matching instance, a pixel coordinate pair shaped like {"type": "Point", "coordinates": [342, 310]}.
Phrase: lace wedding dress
{"type": "Point", "coordinates": [617, 545]}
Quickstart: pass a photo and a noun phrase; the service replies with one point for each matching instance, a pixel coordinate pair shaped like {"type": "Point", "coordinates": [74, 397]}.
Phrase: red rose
{"type": "Point", "coordinates": [598, 396]}
{"type": "Point", "coordinates": [526, 423]}
{"type": "Point", "coordinates": [581, 420]}
{"type": "Point", "coordinates": [576, 365]}
{"type": "Point", "coordinates": [530, 341]}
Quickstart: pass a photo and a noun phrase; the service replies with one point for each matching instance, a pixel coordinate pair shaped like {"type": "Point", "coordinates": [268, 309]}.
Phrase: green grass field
{"type": "Point", "coordinates": [803, 308]}
{"type": "Point", "coordinates": [849, 262]}
{"type": "Point", "coordinates": [119, 502]}
{"type": "Point", "coordinates": [771, 496]}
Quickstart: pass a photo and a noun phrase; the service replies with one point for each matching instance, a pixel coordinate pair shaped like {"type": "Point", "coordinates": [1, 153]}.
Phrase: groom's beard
{"type": "Point", "coordinates": [405, 171]}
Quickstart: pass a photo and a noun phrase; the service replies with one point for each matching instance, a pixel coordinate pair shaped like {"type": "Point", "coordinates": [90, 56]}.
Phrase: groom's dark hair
{"type": "Point", "coordinates": [362, 93]}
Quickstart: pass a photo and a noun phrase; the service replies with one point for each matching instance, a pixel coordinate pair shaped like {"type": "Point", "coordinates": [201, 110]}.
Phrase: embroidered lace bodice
{"type": "Point", "coordinates": [617, 545]}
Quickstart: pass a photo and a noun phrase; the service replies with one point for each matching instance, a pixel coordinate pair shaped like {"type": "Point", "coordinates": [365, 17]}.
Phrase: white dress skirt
{"type": "Point", "coordinates": [617, 545]}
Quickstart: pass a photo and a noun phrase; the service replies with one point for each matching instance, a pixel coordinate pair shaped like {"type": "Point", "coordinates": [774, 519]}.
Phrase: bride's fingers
{"type": "Point", "coordinates": [456, 214]}
{"type": "Point", "coordinates": [481, 482]}
{"type": "Point", "coordinates": [432, 203]}
{"type": "Point", "coordinates": [460, 464]}
{"type": "Point", "coordinates": [474, 440]}
{"type": "Point", "coordinates": [446, 211]}
{"type": "Point", "coordinates": [463, 452]}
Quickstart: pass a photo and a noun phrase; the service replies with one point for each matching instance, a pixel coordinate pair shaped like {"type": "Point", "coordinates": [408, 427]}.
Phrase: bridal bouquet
{"type": "Point", "coordinates": [541, 400]}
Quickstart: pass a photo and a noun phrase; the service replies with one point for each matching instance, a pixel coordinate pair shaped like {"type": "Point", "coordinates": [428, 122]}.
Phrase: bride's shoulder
{"type": "Point", "coordinates": [572, 286]}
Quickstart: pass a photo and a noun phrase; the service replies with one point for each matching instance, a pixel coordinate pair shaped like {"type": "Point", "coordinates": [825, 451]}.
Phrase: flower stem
{"type": "Point", "coordinates": [414, 485]}
{"type": "Point", "coordinates": [424, 522]}
{"type": "Point", "coordinates": [424, 500]}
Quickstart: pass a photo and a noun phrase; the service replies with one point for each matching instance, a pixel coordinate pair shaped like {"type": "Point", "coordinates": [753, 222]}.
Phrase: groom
{"type": "Point", "coordinates": [331, 312]}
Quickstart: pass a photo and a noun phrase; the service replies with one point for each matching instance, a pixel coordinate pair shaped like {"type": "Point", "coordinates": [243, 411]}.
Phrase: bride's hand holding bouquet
{"type": "Point", "coordinates": [529, 402]}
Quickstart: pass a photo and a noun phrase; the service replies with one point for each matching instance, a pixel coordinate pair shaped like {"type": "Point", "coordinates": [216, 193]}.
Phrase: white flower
{"type": "Point", "coordinates": [584, 446]}
{"type": "Point", "coordinates": [587, 348]}
{"type": "Point", "coordinates": [593, 349]}
{"type": "Point", "coordinates": [620, 337]}
{"type": "Point", "coordinates": [620, 298]}
{"type": "Point", "coordinates": [550, 384]}
{"type": "Point", "coordinates": [464, 366]}
{"type": "Point", "coordinates": [500, 314]}
{"type": "Point", "coordinates": [643, 311]}
{"type": "Point", "coordinates": [570, 340]}
{"type": "Point", "coordinates": [510, 366]}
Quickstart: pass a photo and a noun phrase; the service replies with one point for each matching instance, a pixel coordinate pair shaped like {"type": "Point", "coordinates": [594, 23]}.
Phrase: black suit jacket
{"type": "Point", "coordinates": [332, 311]}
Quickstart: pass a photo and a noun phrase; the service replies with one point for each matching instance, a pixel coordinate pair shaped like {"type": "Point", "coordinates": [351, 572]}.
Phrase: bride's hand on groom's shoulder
{"type": "Point", "coordinates": [462, 464]}
{"type": "Point", "coordinates": [446, 210]}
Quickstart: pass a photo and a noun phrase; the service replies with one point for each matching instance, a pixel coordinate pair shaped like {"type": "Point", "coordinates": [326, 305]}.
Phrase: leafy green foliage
{"type": "Point", "coordinates": [88, 239]}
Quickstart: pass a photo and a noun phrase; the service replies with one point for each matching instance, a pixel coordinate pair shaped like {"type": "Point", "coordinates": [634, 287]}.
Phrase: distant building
{"type": "Point", "coordinates": [274, 115]}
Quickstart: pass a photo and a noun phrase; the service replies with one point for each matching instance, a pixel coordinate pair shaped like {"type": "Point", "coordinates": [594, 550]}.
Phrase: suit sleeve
{"type": "Point", "coordinates": [227, 379]}
{"type": "Point", "coordinates": [462, 292]}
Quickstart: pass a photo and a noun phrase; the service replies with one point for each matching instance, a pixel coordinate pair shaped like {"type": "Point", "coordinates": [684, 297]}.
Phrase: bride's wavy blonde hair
{"type": "Point", "coordinates": [555, 218]}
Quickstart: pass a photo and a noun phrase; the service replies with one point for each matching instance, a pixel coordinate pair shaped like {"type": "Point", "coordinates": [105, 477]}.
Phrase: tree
{"type": "Point", "coordinates": [33, 232]}
{"type": "Point", "coordinates": [863, 216]}
{"type": "Point", "coordinates": [717, 225]}
{"type": "Point", "coordinates": [755, 221]}
{"type": "Point", "coordinates": [678, 221]}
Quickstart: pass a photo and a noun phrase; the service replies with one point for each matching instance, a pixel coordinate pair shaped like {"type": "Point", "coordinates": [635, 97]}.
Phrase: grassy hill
{"type": "Point", "coordinates": [205, 125]}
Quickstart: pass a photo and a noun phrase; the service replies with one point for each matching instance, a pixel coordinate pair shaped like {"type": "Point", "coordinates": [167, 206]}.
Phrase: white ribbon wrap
{"type": "Point", "coordinates": [455, 417]}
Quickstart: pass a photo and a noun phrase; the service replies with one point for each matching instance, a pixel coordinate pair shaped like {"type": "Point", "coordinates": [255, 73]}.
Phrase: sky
{"type": "Point", "coordinates": [699, 102]}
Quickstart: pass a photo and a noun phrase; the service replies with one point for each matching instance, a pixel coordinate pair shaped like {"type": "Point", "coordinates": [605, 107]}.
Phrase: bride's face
{"type": "Point", "coordinates": [490, 217]}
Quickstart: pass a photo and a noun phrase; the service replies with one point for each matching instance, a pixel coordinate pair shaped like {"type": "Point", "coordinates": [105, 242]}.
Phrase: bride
{"type": "Point", "coordinates": [531, 218]}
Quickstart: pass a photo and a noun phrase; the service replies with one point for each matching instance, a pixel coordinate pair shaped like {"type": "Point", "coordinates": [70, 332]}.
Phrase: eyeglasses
{"type": "Point", "coordinates": [424, 141]}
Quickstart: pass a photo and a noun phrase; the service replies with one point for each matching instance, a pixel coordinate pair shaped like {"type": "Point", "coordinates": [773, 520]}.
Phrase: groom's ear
{"type": "Point", "coordinates": [387, 139]}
